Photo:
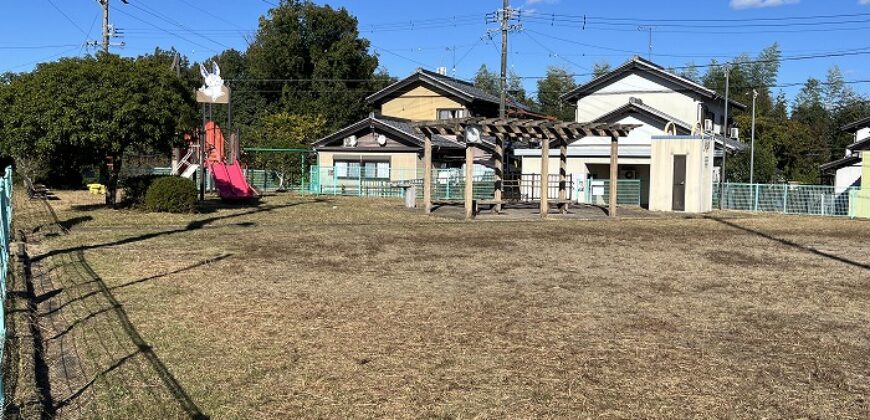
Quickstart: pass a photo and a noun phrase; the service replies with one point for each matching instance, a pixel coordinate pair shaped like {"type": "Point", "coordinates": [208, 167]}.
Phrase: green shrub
{"type": "Point", "coordinates": [171, 194]}
{"type": "Point", "coordinates": [135, 188]}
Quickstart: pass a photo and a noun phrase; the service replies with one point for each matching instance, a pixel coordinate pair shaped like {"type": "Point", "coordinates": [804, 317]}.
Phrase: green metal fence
{"type": "Point", "coordinates": [262, 180]}
{"type": "Point", "coordinates": [5, 240]}
{"type": "Point", "coordinates": [447, 184]}
{"type": "Point", "coordinates": [597, 191]}
{"type": "Point", "coordinates": [816, 200]}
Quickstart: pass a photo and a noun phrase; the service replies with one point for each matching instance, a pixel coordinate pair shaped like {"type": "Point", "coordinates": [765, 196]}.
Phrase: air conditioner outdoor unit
{"type": "Point", "coordinates": [735, 133]}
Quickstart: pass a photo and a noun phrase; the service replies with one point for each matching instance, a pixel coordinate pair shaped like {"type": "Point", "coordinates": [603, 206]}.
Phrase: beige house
{"type": "Point", "coordinates": [638, 92]}
{"type": "Point", "coordinates": [385, 146]}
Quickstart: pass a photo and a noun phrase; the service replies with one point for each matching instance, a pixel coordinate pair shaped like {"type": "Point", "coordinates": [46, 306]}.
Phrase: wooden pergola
{"type": "Point", "coordinates": [550, 134]}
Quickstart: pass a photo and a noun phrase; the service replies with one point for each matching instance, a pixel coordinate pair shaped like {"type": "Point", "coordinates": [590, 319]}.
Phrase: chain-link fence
{"type": "Point", "coordinates": [816, 200]}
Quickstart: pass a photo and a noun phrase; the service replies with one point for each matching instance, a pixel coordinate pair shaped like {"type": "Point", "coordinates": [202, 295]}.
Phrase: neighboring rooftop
{"type": "Point", "coordinates": [856, 125]}
{"type": "Point", "coordinates": [640, 64]}
{"type": "Point", "coordinates": [841, 163]}
{"type": "Point", "coordinates": [399, 127]}
{"type": "Point", "coordinates": [456, 87]}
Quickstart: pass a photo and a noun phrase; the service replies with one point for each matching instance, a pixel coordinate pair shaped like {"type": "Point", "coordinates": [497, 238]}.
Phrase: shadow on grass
{"type": "Point", "coordinates": [82, 275]}
{"type": "Point", "coordinates": [89, 207]}
{"type": "Point", "coordinates": [49, 295]}
{"type": "Point", "coordinates": [792, 244]}
{"type": "Point", "coordinates": [194, 225]}
{"type": "Point", "coordinates": [70, 223]}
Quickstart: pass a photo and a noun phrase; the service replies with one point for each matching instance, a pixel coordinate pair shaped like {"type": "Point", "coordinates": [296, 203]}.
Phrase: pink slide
{"type": "Point", "coordinates": [230, 182]}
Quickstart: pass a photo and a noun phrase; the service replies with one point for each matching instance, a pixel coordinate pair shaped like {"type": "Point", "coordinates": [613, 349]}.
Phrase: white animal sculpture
{"type": "Point", "coordinates": [213, 87]}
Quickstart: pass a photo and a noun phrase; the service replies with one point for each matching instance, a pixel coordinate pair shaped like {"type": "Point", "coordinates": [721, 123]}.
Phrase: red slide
{"type": "Point", "coordinates": [230, 182]}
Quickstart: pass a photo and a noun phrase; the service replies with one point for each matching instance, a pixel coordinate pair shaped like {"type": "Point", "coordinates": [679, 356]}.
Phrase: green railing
{"type": "Point", "coordinates": [447, 184]}
{"type": "Point", "coordinates": [5, 240]}
{"type": "Point", "coordinates": [597, 191]}
{"type": "Point", "coordinates": [816, 200]}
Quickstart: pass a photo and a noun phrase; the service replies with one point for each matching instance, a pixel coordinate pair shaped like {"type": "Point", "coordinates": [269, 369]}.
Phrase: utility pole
{"type": "Point", "coordinates": [724, 138]}
{"type": "Point", "coordinates": [649, 44]}
{"type": "Point", "coordinates": [108, 30]}
{"type": "Point", "coordinates": [505, 19]}
{"type": "Point", "coordinates": [752, 146]}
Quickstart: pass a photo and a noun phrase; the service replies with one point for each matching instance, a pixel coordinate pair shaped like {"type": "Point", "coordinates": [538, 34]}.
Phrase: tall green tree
{"type": "Point", "coordinates": [487, 80]}
{"type": "Point", "coordinates": [550, 89]}
{"type": "Point", "coordinates": [311, 59]}
{"type": "Point", "coordinates": [690, 71]}
{"type": "Point", "coordinates": [600, 69]}
{"type": "Point", "coordinates": [86, 110]}
{"type": "Point", "coordinates": [517, 91]}
{"type": "Point", "coordinates": [284, 131]}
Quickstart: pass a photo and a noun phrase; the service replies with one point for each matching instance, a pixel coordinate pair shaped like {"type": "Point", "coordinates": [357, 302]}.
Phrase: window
{"type": "Point", "coordinates": [366, 169]}
{"type": "Point", "coordinates": [447, 114]}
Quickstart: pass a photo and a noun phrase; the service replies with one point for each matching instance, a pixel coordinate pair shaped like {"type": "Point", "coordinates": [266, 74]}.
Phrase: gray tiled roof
{"type": "Point", "coordinates": [406, 127]}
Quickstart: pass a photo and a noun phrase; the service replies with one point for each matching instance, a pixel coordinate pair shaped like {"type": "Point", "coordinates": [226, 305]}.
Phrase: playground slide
{"type": "Point", "coordinates": [230, 182]}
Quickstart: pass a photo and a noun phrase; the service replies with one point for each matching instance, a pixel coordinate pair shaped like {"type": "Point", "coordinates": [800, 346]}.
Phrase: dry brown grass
{"type": "Point", "coordinates": [358, 308]}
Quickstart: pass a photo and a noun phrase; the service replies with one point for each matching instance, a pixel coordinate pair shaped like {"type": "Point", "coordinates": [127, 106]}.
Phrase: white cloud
{"type": "Point", "coordinates": [753, 4]}
{"type": "Point", "coordinates": [863, 2]}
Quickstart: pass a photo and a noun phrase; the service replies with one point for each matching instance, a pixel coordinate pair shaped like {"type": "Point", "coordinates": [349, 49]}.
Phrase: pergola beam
{"type": "Point", "coordinates": [555, 134]}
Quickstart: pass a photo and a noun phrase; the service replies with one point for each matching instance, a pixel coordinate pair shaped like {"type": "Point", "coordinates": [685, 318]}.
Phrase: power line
{"type": "Point", "coordinates": [67, 18]}
{"type": "Point", "coordinates": [38, 47]}
{"type": "Point", "coordinates": [164, 30]}
{"type": "Point", "coordinates": [171, 21]}
{"type": "Point", "coordinates": [553, 53]}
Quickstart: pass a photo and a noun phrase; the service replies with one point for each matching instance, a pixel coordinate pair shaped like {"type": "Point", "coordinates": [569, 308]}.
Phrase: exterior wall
{"type": "Point", "coordinates": [699, 174]}
{"type": "Point", "coordinates": [418, 104]}
{"type": "Point", "coordinates": [862, 204]}
{"type": "Point", "coordinates": [403, 165]}
{"type": "Point", "coordinates": [594, 167]}
{"type": "Point", "coordinates": [862, 134]}
{"type": "Point", "coordinates": [638, 136]}
{"type": "Point", "coordinates": [654, 92]}
{"type": "Point", "coordinates": [847, 177]}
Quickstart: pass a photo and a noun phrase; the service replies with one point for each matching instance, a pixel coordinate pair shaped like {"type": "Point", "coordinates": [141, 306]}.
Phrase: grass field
{"type": "Point", "coordinates": [359, 308]}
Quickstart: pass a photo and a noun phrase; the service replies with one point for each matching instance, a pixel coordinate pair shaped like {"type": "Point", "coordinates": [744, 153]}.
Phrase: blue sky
{"type": "Point", "coordinates": [411, 34]}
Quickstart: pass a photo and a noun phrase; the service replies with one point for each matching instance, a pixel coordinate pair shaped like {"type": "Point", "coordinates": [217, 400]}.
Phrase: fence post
{"type": "Point", "coordinates": [785, 199]}
{"type": "Point", "coordinates": [757, 192]}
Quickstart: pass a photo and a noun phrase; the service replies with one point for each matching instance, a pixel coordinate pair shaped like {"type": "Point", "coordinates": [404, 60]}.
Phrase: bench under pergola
{"type": "Point", "coordinates": [550, 133]}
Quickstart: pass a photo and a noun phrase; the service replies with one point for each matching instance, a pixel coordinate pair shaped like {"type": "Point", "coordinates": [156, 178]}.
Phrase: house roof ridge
{"type": "Point", "coordinates": [637, 61]}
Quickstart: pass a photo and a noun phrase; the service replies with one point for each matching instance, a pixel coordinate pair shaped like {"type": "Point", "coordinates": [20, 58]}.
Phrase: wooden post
{"type": "Point", "coordinates": [427, 172]}
{"type": "Point", "coordinates": [563, 175]}
{"type": "Point", "coordinates": [469, 181]}
{"type": "Point", "coordinates": [545, 176]}
{"type": "Point", "coordinates": [614, 173]}
{"type": "Point", "coordinates": [499, 170]}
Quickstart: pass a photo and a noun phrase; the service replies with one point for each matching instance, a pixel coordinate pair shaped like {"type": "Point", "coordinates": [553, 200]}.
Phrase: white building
{"type": "Point", "coordinates": [638, 92]}
{"type": "Point", "coordinates": [847, 170]}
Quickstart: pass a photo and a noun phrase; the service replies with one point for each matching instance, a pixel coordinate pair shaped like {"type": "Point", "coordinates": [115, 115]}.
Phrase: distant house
{"type": "Point", "coordinates": [385, 146]}
{"type": "Point", "coordinates": [847, 170]}
{"type": "Point", "coordinates": [638, 92]}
